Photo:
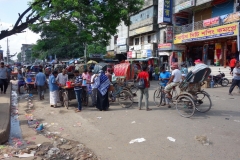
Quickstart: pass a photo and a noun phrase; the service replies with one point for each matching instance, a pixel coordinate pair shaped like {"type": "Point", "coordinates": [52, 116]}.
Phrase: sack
{"type": "Point", "coordinates": [141, 84]}
{"type": "Point", "coordinates": [111, 88]}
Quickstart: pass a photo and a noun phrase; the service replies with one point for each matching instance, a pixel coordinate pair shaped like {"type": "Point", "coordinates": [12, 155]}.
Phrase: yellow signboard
{"type": "Point", "coordinates": [206, 34]}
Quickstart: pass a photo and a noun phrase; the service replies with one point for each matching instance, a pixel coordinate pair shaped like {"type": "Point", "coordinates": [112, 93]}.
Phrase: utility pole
{"type": "Point", "coordinates": [8, 52]}
{"type": "Point", "coordinates": [85, 53]}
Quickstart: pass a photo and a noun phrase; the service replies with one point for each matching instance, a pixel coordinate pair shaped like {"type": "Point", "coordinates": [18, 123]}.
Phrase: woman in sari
{"type": "Point", "coordinates": [53, 88]}
{"type": "Point", "coordinates": [102, 84]}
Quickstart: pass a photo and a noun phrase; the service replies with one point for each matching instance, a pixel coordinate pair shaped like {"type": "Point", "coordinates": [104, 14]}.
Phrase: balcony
{"type": "Point", "coordinates": [200, 24]}
{"type": "Point", "coordinates": [143, 23]}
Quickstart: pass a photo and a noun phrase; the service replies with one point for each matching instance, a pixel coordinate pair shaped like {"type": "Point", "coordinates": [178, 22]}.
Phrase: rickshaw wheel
{"type": "Point", "coordinates": [60, 94]}
{"type": "Point", "coordinates": [185, 106]}
{"type": "Point", "coordinates": [125, 99]}
{"type": "Point", "coordinates": [65, 100]}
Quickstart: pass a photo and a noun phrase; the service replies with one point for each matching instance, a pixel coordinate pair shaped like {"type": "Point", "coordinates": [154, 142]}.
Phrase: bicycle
{"type": "Point", "coordinates": [123, 95]}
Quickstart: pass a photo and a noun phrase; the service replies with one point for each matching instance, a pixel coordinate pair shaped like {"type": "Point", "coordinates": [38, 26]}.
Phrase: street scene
{"type": "Point", "coordinates": [114, 80]}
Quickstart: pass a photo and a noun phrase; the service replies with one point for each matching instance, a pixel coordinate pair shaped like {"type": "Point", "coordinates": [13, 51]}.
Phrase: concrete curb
{"type": "Point", "coordinates": [5, 116]}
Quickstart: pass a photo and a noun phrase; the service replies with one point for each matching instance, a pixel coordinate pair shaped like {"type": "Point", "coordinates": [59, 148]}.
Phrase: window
{"type": "Point", "coordinates": [136, 41]}
{"type": "Point", "coordinates": [115, 39]}
{"type": "Point", "coordinates": [164, 37]}
{"type": "Point", "coordinates": [149, 38]}
{"type": "Point", "coordinates": [142, 40]}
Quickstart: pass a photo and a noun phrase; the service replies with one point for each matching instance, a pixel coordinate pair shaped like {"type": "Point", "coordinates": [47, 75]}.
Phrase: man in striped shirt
{"type": "Point", "coordinates": [78, 89]}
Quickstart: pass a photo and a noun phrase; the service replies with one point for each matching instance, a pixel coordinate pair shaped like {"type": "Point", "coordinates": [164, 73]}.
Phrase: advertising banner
{"type": "Point", "coordinates": [169, 37]}
{"type": "Point", "coordinates": [164, 11]}
{"type": "Point", "coordinates": [211, 22]}
{"type": "Point", "coordinates": [121, 41]}
{"type": "Point", "coordinates": [229, 18]}
{"type": "Point", "coordinates": [207, 34]}
{"type": "Point", "coordinates": [1, 55]}
{"type": "Point", "coordinates": [165, 46]}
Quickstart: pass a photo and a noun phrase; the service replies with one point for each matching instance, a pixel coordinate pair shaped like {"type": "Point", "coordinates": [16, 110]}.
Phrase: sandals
{"type": "Point", "coordinates": [148, 109]}
{"type": "Point", "coordinates": [77, 110]}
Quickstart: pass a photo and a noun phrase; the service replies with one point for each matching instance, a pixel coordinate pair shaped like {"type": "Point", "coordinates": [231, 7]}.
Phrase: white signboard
{"type": "Point", "coordinates": [121, 41]}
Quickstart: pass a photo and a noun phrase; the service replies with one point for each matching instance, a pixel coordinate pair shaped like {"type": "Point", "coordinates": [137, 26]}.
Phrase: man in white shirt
{"type": "Point", "coordinates": [62, 78]}
{"type": "Point", "coordinates": [174, 80]}
{"type": "Point", "coordinates": [94, 89]}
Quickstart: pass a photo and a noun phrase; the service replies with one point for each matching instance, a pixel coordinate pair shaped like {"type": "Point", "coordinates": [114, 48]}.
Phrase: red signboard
{"type": "Point", "coordinates": [169, 37]}
{"type": "Point", "coordinates": [211, 22]}
{"type": "Point", "coordinates": [165, 45]}
{"type": "Point", "coordinates": [129, 54]}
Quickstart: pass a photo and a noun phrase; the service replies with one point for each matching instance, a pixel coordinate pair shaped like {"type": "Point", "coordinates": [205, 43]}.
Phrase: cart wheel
{"type": "Point", "coordinates": [60, 94]}
{"type": "Point", "coordinates": [65, 100]}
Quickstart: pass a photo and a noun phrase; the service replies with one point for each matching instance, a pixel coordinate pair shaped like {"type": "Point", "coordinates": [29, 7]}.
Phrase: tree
{"type": "Point", "coordinates": [19, 57]}
{"type": "Point", "coordinates": [94, 21]}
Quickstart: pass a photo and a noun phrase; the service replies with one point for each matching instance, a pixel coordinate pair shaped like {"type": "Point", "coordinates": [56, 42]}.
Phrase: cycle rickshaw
{"type": "Point", "coordinates": [191, 96]}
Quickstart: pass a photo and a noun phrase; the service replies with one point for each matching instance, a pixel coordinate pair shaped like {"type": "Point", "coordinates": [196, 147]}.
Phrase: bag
{"type": "Point", "coordinates": [111, 88]}
{"type": "Point", "coordinates": [141, 84]}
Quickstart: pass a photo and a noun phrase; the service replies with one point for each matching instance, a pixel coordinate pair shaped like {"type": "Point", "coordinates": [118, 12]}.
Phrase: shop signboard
{"type": "Point", "coordinates": [148, 46]}
{"type": "Point", "coordinates": [1, 55]}
{"type": "Point", "coordinates": [123, 48]}
{"type": "Point", "coordinates": [230, 18]}
{"type": "Point", "coordinates": [169, 37]}
{"type": "Point", "coordinates": [163, 54]}
{"type": "Point", "coordinates": [207, 34]}
{"type": "Point", "coordinates": [184, 5]}
{"type": "Point", "coordinates": [165, 46]}
{"type": "Point", "coordinates": [146, 53]}
{"type": "Point", "coordinates": [164, 11]}
{"type": "Point", "coordinates": [121, 41]}
{"type": "Point", "coordinates": [211, 22]}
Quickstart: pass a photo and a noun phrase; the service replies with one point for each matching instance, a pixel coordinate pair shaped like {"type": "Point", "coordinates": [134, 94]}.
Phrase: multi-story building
{"type": "Point", "coordinates": [118, 43]}
{"type": "Point", "coordinates": [26, 51]}
{"type": "Point", "coordinates": [143, 32]}
{"type": "Point", "coordinates": [209, 30]}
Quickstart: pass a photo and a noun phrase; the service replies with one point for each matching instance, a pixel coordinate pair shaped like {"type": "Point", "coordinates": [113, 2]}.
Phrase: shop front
{"type": "Point", "coordinates": [214, 46]}
{"type": "Point", "coordinates": [170, 53]}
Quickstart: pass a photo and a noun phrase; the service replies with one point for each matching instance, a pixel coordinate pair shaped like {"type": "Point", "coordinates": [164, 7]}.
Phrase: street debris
{"type": "Point", "coordinates": [236, 120]}
{"type": "Point", "coordinates": [139, 140]}
{"type": "Point", "coordinates": [171, 139]}
{"type": "Point", "coordinates": [203, 140]}
{"type": "Point", "coordinates": [226, 118]}
{"type": "Point", "coordinates": [133, 122]}
{"type": "Point", "coordinates": [99, 117]}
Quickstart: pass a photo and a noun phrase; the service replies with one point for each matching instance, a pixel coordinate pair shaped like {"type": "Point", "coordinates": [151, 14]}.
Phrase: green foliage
{"type": "Point", "coordinates": [19, 58]}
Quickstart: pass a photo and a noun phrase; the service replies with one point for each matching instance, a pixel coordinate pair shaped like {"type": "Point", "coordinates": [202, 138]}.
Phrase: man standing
{"type": "Point", "coordinates": [232, 64]}
{"type": "Point", "coordinates": [174, 80]}
{"type": "Point", "coordinates": [40, 82]}
{"type": "Point", "coordinates": [145, 76]}
{"type": "Point", "coordinates": [94, 89]}
{"type": "Point", "coordinates": [62, 78]}
{"type": "Point", "coordinates": [9, 71]}
{"type": "Point", "coordinates": [53, 88]}
{"type": "Point", "coordinates": [108, 74]}
{"type": "Point", "coordinates": [3, 78]}
{"type": "Point", "coordinates": [236, 78]}
{"type": "Point", "coordinates": [78, 89]}
{"type": "Point", "coordinates": [24, 71]}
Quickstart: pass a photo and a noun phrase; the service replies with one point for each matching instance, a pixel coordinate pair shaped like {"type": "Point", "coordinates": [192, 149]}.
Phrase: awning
{"type": "Point", "coordinates": [163, 53]}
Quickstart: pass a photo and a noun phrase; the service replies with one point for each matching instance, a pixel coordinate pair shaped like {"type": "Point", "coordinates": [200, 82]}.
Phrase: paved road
{"type": "Point", "coordinates": [108, 133]}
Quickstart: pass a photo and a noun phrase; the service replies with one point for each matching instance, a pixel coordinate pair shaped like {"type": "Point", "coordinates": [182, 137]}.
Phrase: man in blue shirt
{"type": "Point", "coordinates": [78, 89]}
{"type": "Point", "coordinates": [40, 82]}
{"type": "Point", "coordinates": [164, 78]}
{"type": "Point", "coordinates": [53, 88]}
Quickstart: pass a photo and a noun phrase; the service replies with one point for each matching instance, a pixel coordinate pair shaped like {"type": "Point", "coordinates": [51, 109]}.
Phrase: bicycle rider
{"type": "Point", "coordinates": [174, 80]}
{"type": "Point", "coordinates": [164, 78]}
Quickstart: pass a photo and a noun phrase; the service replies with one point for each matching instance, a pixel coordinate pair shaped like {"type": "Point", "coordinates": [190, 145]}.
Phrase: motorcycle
{"type": "Point", "coordinates": [219, 79]}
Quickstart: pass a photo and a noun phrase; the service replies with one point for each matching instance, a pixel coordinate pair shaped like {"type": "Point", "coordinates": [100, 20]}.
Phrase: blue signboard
{"type": "Point", "coordinates": [149, 53]}
{"type": "Point", "coordinates": [164, 11]}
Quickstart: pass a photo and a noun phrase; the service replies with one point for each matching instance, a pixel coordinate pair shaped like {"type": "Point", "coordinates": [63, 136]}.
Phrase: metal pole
{"type": "Point", "coordinates": [85, 53]}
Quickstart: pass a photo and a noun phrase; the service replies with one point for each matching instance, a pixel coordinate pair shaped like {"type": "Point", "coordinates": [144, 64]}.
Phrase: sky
{"type": "Point", "coordinates": [8, 16]}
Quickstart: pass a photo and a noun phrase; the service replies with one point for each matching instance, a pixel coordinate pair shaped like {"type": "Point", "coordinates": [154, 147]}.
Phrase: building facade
{"type": "Point", "coordinates": [209, 30]}
{"type": "Point", "coordinates": [144, 32]}
{"type": "Point", "coordinates": [26, 53]}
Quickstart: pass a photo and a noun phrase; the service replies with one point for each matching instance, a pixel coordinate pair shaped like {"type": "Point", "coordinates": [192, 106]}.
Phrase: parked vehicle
{"type": "Point", "coordinates": [219, 79]}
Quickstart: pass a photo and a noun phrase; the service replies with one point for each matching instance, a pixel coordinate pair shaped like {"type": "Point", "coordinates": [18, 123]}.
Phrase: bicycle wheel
{"type": "Point", "coordinates": [60, 94]}
{"type": "Point", "coordinates": [185, 106]}
{"type": "Point", "coordinates": [134, 89]}
{"type": "Point", "coordinates": [125, 99]}
{"type": "Point", "coordinates": [65, 100]}
{"type": "Point", "coordinates": [203, 102]}
{"type": "Point", "coordinates": [157, 97]}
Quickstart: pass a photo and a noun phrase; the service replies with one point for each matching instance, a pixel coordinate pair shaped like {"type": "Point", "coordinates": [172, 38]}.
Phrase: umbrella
{"type": "Point", "coordinates": [91, 61]}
